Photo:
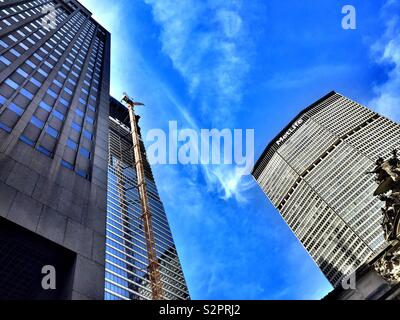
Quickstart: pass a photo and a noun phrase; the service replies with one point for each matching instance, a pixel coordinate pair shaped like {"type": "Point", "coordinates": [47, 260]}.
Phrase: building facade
{"type": "Point", "coordinates": [127, 262]}
{"type": "Point", "coordinates": [314, 173]}
{"type": "Point", "coordinates": [54, 109]}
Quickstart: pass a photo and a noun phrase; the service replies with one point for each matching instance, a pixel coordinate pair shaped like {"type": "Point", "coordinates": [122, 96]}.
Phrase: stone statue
{"type": "Point", "coordinates": [388, 177]}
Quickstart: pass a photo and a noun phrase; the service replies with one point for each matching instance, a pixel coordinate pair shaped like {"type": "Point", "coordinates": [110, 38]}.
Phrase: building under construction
{"type": "Point", "coordinates": [141, 259]}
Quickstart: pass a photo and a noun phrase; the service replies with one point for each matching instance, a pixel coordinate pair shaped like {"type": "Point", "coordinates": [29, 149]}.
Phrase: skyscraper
{"type": "Point", "coordinates": [127, 276]}
{"type": "Point", "coordinates": [54, 106]}
{"type": "Point", "coordinates": [314, 172]}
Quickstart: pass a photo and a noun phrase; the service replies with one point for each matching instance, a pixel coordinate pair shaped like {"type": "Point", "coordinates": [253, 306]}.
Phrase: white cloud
{"type": "Point", "coordinates": [205, 40]}
{"type": "Point", "coordinates": [229, 182]}
{"type": "Point", "coordinates": [387, 51]}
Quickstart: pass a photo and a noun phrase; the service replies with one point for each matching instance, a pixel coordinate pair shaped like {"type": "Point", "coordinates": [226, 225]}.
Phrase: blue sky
{"type": "Point", "coordinates": [245, 65]}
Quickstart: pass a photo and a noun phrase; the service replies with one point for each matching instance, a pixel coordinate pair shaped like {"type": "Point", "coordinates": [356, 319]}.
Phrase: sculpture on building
{"type": "Point", "coordinates": [388, 177]}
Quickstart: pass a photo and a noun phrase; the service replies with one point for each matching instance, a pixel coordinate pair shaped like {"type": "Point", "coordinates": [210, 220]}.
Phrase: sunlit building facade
{"type": "Point", "coordinates": [126, 255]}
{"type": "Point", "coordinates": [314, 173]}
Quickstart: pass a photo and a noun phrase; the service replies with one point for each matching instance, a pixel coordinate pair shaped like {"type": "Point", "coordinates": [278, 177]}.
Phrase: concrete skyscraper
{"type": "Point", "coordinates": [54, 107]}
{"type": "Point", "coordinates": [314, 172]}
{"type": "Point", "coordinates": [127, 276]}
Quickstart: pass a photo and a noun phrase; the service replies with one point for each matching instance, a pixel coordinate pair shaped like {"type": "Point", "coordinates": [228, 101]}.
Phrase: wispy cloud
{"type": "Point", "coordinates": [211, 56]}
{"type": "Point", "coordinates": [387, 52]}
{"type": "Point", "coordinates": [209, 53]}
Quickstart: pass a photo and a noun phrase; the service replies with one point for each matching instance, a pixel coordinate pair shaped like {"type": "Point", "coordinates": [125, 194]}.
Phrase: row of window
{"type": "Point", "coordinates": [44, 128]}
{"type": "Point", "coordinates": [19, 41]}
{"type": "Point", "coordinates": [21, 12]}
{"type": "Point", "coordinates": [50, 51]}
{"type": "Point", "coordinates": [83, 124]}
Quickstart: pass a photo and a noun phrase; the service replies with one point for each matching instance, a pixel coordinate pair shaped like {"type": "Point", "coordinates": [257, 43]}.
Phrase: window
{"type": "Point", "coordinates": [3, 44]}
{"type": "Point", "coordinates": [57, 83]}
{"type": "Point", "coordinates": [89, 120]}
{"type": "Point", "coordinates": [58, 115]}
{"type": "Point", "coordinates": [84, 152]}
{"type": "Point", "coordinates": [44, 51]}
{"type": "Point", "coordinates": [37, 122]}
{"type": "Point", "coordinates": [31, 64]}
{"type": "Point", "coordinates": [76, 127]}
{"type": "Point", "coordinates": [26, 140]}
{"type": "Point", "coordinates": [27, 94]}
{"type": "Point", "coordinates": [38, 57]}
{"type": "Point", "coordinates": [23, 46]}
{"type": "Point", "coordinates": [82, 173]}
{"type": "Point", "coordinates": [22, 73]}
{"type": "Point", "coordinates": [17, 109]}
{"type": "Point", "coordinates": [51, 93]}
{"type": "Point", "coordinates": [15, 52]}
{"type": "Point", "coordinates": [52, 132]}
{"type": "Point", "coordinates": [67, 165]}
{"type": "Point", "coordinates": [64, 102]}
{"type": "Point", "coordinates": [12, 84]}
{"type": "Point", "coordinates": [35, 82]}
{"type": "Point", "coordinates": [49, 64]}
{"type": "Point", "coordinates": [73, 145]}
{"type": "Point", "coordinates": [79, 113]}
{"type": "Point", "coordinates": [62, 74]}
{"type": "Point", "coordinates": [5, 60]}
{"type": "Point", "coordinates": [14, 39]}
{"type": "Point", "coordinates": [87, 134]}
{"type": "Point", "coordinates": [43, 73]}
{"type": "Point", "coordinates": [44, 151]}
{"type": "Point", "coordinates": [68, 91]}
{"type": "Point", "coordinates": [72, 81]}
{"type": "Point", "coordinates": [5, 127]}
{"type": "Point", "coordinates": [45, 106]}
{"type": "Point", "coordinates": [30, 40]}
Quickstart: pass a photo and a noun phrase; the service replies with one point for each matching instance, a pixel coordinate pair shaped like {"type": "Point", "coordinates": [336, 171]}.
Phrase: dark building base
{"type": "Point", "coordinates": [23, 254]}
{"type": "Point", "coordinates": [377, 279]}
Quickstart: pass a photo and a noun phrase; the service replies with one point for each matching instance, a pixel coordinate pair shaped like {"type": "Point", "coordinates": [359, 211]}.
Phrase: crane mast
{"type": "Point", "coordinates": [154, 267]}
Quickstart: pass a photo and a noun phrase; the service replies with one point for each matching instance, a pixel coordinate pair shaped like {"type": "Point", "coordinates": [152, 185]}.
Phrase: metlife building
{"type": "Point", "coordinates": [314, 172]}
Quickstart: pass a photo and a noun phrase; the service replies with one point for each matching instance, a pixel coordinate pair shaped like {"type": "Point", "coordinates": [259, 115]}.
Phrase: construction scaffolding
{"type": "Point", "coordinates": [154, 267]}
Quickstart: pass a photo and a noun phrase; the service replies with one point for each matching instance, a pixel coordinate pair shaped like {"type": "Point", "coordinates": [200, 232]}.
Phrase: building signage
{"type": "Point", "coordinates": [289, 133]}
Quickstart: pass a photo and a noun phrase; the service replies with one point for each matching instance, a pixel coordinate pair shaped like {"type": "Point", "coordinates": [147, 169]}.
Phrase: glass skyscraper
{"type": "Point", "coordinates": [314, 172]}
{"type": "Point", "coordinates": [127, 276]}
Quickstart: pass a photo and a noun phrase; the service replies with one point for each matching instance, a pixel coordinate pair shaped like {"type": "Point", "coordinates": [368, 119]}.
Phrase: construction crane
{"type": "Point", "coordinates": [154, 267]}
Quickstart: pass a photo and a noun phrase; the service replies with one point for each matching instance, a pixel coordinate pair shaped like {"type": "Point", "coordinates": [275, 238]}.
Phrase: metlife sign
{"type": "Point", "coordinates": [291, 131]}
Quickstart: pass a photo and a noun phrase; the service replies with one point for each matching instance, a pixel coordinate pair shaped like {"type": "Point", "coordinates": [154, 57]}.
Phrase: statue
{"type": "Point", "coordinates": [388, 177]}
